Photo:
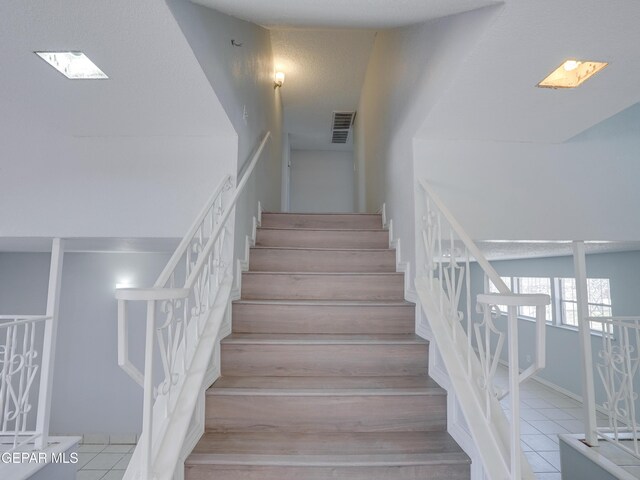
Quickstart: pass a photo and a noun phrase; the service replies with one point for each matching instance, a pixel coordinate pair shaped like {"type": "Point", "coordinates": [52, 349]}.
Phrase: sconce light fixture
{"type": "Point", "coordinates": [278, 80]}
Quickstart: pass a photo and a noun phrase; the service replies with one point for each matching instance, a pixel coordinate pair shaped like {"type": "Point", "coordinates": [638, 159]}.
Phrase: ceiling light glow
{"type": "Point", "coordinates": [74, 65]}
{"type": "Point", "coordinates": [571, 74]}
{"type": "Point", "coordinates": [570, 65]}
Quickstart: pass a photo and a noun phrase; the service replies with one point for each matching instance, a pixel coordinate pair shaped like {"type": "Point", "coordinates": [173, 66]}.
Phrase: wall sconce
{"type": "Point", "coordinates": [278, 80]}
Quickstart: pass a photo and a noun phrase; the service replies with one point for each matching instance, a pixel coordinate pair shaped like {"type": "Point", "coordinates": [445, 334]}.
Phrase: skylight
{"type": "Point", "coordinates": [572, 74]}
{"type": "Point", "coordinates": [73, 65]}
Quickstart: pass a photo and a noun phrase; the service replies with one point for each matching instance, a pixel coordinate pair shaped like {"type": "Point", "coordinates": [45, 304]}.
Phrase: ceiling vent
{"type": "Point", "coordinates": [341, 126]}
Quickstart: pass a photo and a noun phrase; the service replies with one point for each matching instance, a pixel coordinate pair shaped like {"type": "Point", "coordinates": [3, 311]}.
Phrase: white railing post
{"type": "Point", "coordinates": [584, 330]}
{"type": "Point", "coordinates": [514, 392]}
{"type": "Point", "coordinates": [49, 345]}
{"type": "Point", "coordinates": [147, 409]}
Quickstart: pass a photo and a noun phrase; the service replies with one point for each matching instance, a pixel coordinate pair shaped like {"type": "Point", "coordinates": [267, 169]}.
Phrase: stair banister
{"type": "Point", "coordinates": [21, 361]}
{"type": "Point", "coordinates": [471, 353]}
{"type": "Point", "coordinates": [191, 310]}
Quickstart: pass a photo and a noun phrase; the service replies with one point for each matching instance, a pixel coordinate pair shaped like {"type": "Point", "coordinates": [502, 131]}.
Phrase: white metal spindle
{"type": "Point", "coordinates": [514, 392]}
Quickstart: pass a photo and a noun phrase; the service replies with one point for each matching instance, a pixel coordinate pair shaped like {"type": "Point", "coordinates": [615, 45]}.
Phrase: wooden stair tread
{"type": "Point", "coordinates": [328, 443]}
{"type": "Point", "coordinates": [336, 303]}
{"type": "Point", "coordinates": [364, 274]}
{"type": "Point", "coordinates": [325, 386]}
{"type": "Point", "coordinates": [321, 339]}
{"type": "Point", "coordinates": [321, 249]}
{"type": "Point", "coordinates": [311, 214]}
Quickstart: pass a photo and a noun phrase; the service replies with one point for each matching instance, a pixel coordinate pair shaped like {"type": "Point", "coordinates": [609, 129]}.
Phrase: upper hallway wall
{"type": "Point", "coordinates": [409, 68]}
{"type": "Point", "coordinates": [583, 189]}
{"type": "Point", "coordinates": [242, 77]}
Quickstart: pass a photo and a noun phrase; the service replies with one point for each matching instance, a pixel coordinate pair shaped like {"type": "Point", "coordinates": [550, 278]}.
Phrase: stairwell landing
{"type": "Point", "coordinates": [323, 377]}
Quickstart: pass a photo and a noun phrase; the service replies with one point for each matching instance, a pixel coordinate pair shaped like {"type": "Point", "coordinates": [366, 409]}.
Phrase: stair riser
{"type": "Point", "coordinates": [412, 472]}
{"type": "Point", "coordinates": [322, 287]}
{"type": "Point", "coordinates": [276, 260]}
{"type": "Point", "coordinates": [324, 360]}
{"type": "Point", "coordinates": [384, 413]}
{"type": "Point", "coordinates": [322, 238]}
{"type": "Point", "coordinates": [321, 221]}
{"type": "Point", "coordinates": [265, 318]}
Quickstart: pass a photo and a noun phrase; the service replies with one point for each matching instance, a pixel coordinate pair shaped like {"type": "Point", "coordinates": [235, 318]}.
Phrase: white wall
{"type": "Point", "coordinates": [242, 78]}
{"type": "Point", "coordinates": [91, 394]}
{"type": "Point", "coordinates": [408, 69]}
{"type": "Point", "coordinates": [585, 188]}
{"type": "Point", "coordinates": [322, 181]}
{"type": "Point", "coordinates": [131, 156]}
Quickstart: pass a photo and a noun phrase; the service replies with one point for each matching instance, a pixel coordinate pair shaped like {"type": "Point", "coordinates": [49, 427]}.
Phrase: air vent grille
{"type": "Point", "coordinates": [341, 126]}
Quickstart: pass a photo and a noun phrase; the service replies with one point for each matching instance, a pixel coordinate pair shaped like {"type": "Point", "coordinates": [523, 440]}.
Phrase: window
{"type": "Point", "coordinates": [564, 305]}
{"type": "Point", "coordinates": [533, 285]}
{"type": "Point", "coordinates": [598, 298]}
{"type": "Point", "coordinates": [494, 289]}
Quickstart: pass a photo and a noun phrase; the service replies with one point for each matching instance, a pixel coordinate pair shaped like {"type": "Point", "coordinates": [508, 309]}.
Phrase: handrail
{"type": "Point", "coordinates": [618, 371]}
{"type": "Point", "coordinates": [225, 215]}
{"type": "Point", "coordinates": [474, 251]}
{"type": "Point", "coordinates": [184, 243]}
{"type": "Point", "coordinates": [471, 353]}
{"type": "Point", "coordinates": [192, 308]}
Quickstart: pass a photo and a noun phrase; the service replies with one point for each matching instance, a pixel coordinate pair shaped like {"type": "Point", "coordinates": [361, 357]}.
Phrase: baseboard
{"type": "Point", "coordinates": [242, 264]}
{"type": "Point", "coordinates": [410, 294]}
{"type": "Point", "coordinates": [557, 388]}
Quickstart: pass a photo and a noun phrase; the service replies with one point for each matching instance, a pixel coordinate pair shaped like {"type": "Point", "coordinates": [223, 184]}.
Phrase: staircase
{"type": "Point", "coordinates": [322, 376]}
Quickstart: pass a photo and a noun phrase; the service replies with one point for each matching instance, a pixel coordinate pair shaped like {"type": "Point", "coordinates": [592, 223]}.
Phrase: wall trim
{"type": "Point", "coordinates": [557, 388]}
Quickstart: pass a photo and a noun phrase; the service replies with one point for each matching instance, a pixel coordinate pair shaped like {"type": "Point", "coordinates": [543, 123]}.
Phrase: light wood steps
{"type": "Point", "coordinates": [322, 286]}
{"type": "Point", "coordinates": [313, 238]}
{"type": "Point", "coordinates": [323, 377]}
{"type": "Point", "coordinates": [303, 405]}
{"type": "Point", "coordinates": [374, 455]}
{"type": "Point", "coordinates": [318, 316]}
{"type": "Point", "coordinates": [366, 221]}
{"type": "Point", "coordinates": [278, 259]}
{"type": "Point", "coordinates": [323, 355]}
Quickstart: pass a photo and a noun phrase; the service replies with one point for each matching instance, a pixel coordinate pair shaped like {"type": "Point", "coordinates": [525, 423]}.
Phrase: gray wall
{"type": "Point", "coordinates": [321, 181]}
{"type": "Point", "coordinates": [563, 354]}
{"type": "Point", "coordinates": [408, 69]}
{"type": "Point", "coordinates": [242, 78]}
{"type": "Point", "coordinates": [91, 394]}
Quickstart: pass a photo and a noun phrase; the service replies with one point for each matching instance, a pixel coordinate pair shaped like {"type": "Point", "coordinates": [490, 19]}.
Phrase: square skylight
{"type": "Point", "coordinates": [73, 65]}
{"type": "Point", "coordinates": [572, 74]}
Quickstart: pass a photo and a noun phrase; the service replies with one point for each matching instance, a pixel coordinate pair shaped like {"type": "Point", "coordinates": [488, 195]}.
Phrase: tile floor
{"type": "Point", "coordinates": [544, 414]}
{"type": "Point", "coordinates": [103, 462]}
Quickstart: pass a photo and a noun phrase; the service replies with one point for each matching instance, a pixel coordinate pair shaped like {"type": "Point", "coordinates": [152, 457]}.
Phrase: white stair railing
{"type": "Point", "coordinates": [471, 347]}
{"type": "Point", "coordinates": [618, 373]}
{"type": "Point", "coordinates": [27, 353]}
{"type": "Point", "coordinates": [184, 311]}
{"type": "Point", "coordinates": [617, 367]}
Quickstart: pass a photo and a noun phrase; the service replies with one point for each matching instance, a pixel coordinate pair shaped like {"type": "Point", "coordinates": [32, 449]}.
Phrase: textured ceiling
{"type": "Point", "coordinates": [494, 97]}
{"type": "Point", "coordinates": [156, 86]}
{"type": "Point", "coordinates": [325, 71]}
{"type": "Point", "coordinates": [342, 13]}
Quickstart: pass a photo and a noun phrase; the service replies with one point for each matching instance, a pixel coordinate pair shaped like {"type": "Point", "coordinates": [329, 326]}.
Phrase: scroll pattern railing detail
{"type": "Point", "coordinates": [184, 311]}
{"type": "Point", "coordinates": [617, 369]}
{"type": "Point", "coordinates": [20, 359]}
{"type": "Point", "coordinates": [27, 353]}
{"type": "Point", "coordinates": [472, 346]}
